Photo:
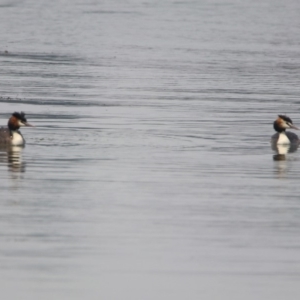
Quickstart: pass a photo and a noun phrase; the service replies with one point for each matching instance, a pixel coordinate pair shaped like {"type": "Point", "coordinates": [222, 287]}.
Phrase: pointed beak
{"type": "Point", "coordinates": [294, 127]}
{"type": "Point", "coordinates": [27, 124]}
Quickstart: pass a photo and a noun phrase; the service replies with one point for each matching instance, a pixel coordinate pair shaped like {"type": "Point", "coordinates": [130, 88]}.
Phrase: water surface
{"type": "Point", "coordinates": [149, 174]}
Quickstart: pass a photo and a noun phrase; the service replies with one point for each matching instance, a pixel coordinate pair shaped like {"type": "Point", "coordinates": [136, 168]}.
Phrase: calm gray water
{"type": "Point", "coordinates": [149, 174]}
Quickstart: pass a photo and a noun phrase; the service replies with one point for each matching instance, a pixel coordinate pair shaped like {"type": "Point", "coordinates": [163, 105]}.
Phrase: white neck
{"type": "Point", "coordinates": [17, 138]}
{"type": "Point", "coordinates": [283, 139]}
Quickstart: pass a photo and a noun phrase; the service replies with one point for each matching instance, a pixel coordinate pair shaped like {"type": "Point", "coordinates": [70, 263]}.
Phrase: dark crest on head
{"type": "Point", "coordinates": [13, 122]}
{"type": "Point", "coordinates": [20, 116]}
{"type": "Point", "coordinates": [286, 118]}
{"type": "Point", "coordinates": [283, 122]}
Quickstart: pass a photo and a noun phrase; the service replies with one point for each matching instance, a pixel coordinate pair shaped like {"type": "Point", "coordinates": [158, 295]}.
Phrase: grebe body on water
{"type": "Point", "coordinates": [283, 137]}
{"type": "Point", "coordinates": [11, 135]}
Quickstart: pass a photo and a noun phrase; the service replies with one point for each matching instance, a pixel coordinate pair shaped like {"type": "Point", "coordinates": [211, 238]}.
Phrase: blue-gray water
{"type": "Point", "coordinates": [149, 174]}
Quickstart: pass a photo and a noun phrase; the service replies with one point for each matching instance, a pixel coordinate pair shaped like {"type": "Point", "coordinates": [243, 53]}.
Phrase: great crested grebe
{"type": "Point", "coordinates": [11, 135]}
{"type": "Point", "coordinates": [283, 137]}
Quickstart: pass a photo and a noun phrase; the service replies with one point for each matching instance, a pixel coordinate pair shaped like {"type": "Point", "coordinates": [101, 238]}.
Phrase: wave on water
{"type": "Point", "coordinates": [60, 102]}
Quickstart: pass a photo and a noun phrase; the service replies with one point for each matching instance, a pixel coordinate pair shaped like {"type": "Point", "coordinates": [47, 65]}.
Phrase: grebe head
{"type": "Point", "coordinates": [17, 120]}
{"type": "Point", "coordinates": [282, 123]}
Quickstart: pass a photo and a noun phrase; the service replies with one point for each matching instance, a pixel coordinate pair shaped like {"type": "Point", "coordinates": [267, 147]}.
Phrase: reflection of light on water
{"type": "Point", "coordinates": [281, 156]}
{"type": "Point", "coordinates": [282, 150]}
{"type": "Point", "coordinates": [281, 168]}
{"type": "Point", "coordinates": [12, 156]}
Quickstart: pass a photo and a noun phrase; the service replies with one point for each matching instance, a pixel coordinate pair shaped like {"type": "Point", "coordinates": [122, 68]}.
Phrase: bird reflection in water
{"type": "Point", "coordinates": [281, 157]}
{"type": "Point", "coordinates": [282, 150]}
{"type": "Point", "coordinates": [12, 156]}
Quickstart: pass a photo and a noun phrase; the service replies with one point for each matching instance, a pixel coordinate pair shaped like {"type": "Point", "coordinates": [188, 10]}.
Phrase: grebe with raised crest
{"type": "Point", "coordinates": [11, 135]}
{"type": "Point", "coordinates": [283, 137]}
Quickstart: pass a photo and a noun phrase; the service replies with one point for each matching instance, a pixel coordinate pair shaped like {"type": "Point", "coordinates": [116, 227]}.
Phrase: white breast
{"type": "Point", "coordinates": [17, 139]}
{"type": "Point", "coordinates": [283, 139]}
